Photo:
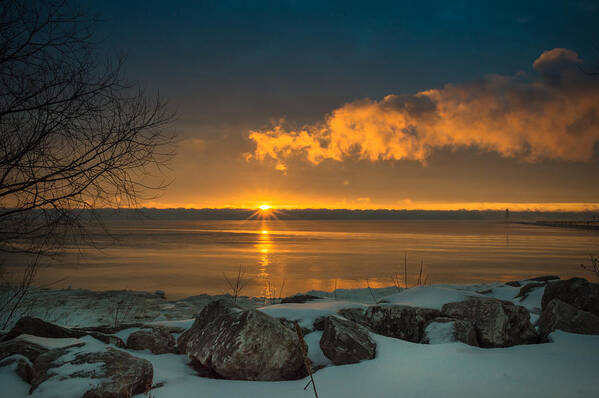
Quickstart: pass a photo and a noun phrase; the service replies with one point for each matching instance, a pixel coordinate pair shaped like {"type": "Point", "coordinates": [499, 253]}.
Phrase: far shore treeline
{"type": "Point", "coordinates": [332, 214]}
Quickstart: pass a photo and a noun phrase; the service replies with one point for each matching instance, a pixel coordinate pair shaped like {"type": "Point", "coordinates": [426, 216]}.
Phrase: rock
{"type": "Point", "coordinates": [445, 330]}
{"type": "Point", "coordinates": [486, 291]}
{"type": "Point", "coordinates": [38, 327]}
{"type": "Point", "coordinates": [117, 373]}
{"type": "Point", "coordinates": [498, 323]}
{"type": "Point", "coordinates": [109, 329]}
{"type": "Point", "coordinates": [299, 298]}
{"type": "Point", "coordinates": [545, 278]}
{"type": "Point", "coordinates": [21, 347]}
{"type": "Point", "coordinates": [157, 340]}
{"type": "Point", "coordinates": [526, 289]}
{"type": "Point", "coordinates": [563, 316]}
{"type": "Point", "coordinates": [247, 345]}
{"type": "Point", "coordinates": [209, 313]}
{"type": "Point", "coordinates": [160, 293]}
{"type": "Point", "coordinates": [41, 328]}
{"type": "Point", "coordinates": [513, 284]}
{"type": "Point", "coordinates": [345, 342]}
{"type": "Point", "coordinates": [108, 339]}
{"type": "Point", "coordinates": [576, 291]}
{"type": "Point", "coordinates": [319, 322]}
{"type": "Point", "coordinates": [399, 321]}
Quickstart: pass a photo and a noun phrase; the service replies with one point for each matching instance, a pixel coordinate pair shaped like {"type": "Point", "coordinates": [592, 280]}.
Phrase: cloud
{"type": "Point", "coordinates": [553, 115]}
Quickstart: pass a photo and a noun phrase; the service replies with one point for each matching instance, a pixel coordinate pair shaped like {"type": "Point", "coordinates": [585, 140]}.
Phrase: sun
{"type": "Point", "coordinates": [265, 207]}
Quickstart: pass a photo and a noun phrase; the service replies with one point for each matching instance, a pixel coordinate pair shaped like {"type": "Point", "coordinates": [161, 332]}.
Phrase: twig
{"type": "Point", "coordinates": [405, 268]}
{"type": "Point", "coordinates": [307, 363]}
{"type": "Point", "coordinates": [370, 290]}
{"type": "Point", "coordinates": [239, 284]}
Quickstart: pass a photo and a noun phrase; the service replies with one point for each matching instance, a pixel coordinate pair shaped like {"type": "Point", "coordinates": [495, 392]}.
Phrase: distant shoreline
{"type": "Point", "coordinates": [578, 224]}
{"type": "Point", "coordinates": [333, 214]}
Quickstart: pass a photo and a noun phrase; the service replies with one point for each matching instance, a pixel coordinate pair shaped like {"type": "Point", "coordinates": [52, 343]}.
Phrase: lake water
{"type": "Point", "coordinates": [192, 257]}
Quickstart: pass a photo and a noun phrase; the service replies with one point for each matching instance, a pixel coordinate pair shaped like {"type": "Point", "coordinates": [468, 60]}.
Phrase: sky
{"type": "Point", "coordinates": [415, 105]}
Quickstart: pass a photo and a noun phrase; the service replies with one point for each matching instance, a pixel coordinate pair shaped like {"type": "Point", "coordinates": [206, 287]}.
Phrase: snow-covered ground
{"type": "Point", "coordinates": [566, 367]}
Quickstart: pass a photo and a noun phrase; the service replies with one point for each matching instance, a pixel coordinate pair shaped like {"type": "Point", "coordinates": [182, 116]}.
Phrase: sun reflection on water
{"type": "Point", "coordinates": [264, 247]}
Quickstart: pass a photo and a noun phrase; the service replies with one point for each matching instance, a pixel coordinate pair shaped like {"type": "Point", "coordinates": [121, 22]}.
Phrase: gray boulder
{"type": "Point", "coordinates": [399, 321]}
{"type": "Point", "coordinates": [157, 340]}
{"type": "Point", "coordinates": [577, 292]}
{"type": "Point", "coordinates": [498, 323]}
{"type": "Point", "coordinates": [245, 345]}
{"type": "Point", "coordinates": [445, 330]}
{"type": "Point", "coordinates": [563, 316]}
{"type": "Point", "coordinates": [117, 373]}
{"type": "Point", "coordinates": [345, 342]}
{"type": "Point", "coordinates": [208, 314]}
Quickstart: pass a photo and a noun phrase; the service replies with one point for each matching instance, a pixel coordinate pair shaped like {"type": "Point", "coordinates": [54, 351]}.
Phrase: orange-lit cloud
{"type": "Point", "coordinates": [553, 115]}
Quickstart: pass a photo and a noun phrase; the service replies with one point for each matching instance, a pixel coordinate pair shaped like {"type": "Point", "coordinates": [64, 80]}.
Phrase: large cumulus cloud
{"type": "Point", "coordinates": [554, 114]}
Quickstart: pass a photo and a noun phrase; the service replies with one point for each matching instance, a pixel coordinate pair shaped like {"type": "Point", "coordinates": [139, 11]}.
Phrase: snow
{"type": "Point", "coordinates": [440, 332]}
{"type": "Point", "coordinates": [444, 368]}
{"type": "Point", "coordinates": [429, 296]}
{"type": "Point", "coordinates": [11, 384]}
{"type": "Point", "coordinates": [409, 370]}
{"type": "Point", "coordinates": [307, 313]}
{"type": "Point", "coordinates": [47, 342]}
{"type": "Point", "coordinates": [314, 352]}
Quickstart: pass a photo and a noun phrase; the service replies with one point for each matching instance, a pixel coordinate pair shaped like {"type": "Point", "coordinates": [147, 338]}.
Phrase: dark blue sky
{"type": "Point", "coordinates": [233, 66]}
{"type": "Point", "coordinates": [255, 60]}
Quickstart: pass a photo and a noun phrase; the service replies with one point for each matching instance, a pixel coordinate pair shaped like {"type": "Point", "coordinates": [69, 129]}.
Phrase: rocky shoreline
{"type": "Point", "coordinates": [241, 342]}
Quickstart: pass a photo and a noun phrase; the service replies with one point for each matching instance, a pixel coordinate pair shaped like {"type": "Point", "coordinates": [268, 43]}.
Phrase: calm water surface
{"type": "Point", "coordinates": [191, 257]}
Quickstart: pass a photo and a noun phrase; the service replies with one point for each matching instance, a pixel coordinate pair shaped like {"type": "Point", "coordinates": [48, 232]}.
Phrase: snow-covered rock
{"type": "Point", "coordinates": [399, 321]}
{"type": "Point", "coordinates": [158, 340]}
{"type": "Point", "coordinates": [563, 316]}
{"type": "Point", "coordinates": [498, 323]}
{"type": "Point", "coordinates": [21, 347]}
{"type": "Point", "coordinates": [100, 372]}
{"type": "Point", "coordinates": [577, 292]}
{"type": "Point", "coordinates": [345, 342]}
{"type": "Point", "coordinates": [38, 327]}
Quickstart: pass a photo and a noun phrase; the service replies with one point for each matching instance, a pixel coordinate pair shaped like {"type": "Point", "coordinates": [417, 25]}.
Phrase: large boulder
{"type": "Point", "coordinates": [113, 373]}
{"type": "Point", "coordinates": [498, 323]}
{"type": "Point", "coordinates": [244, 345]}
{"type": "Point", "coordinates": [577, 292]}
{"type": "Point", "coordinates": [399, 321]}
{"type": "Point", "coordinates": [566, 317]}
{"type": "Point", "coordinates": [157, 340]}
{"type": "Point", "coordinates": [446, 330]}
{"type": "Point", "coordinates": [345, 342]}
{"type": "Point", "coordinates": [208, 314]}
